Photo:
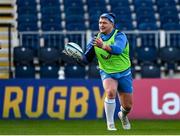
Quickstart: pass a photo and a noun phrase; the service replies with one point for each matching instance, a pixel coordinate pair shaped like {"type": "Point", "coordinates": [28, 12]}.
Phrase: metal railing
{"type": "Point", "coordinates": [136, 38]}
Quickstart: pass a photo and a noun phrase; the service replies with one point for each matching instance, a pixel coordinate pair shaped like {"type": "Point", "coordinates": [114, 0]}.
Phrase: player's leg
{"type": "Point", "coordinates": [125, 96]}
{"type": "Point", "coordinates": [126, 104]}
{"type": "Point", "coordinates": [110, 87]}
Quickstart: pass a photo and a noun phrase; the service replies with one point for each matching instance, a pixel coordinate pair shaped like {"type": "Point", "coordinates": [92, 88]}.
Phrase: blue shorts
{"type": "Point", "coordinates": [124, 80]}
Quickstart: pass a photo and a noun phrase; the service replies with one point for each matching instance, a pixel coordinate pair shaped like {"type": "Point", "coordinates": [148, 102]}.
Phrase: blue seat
{"type": "Point", "coordinates": [171, 26]}
{"type": "Point", "coordinates": [94, 26]}
{"type": "Point", "coordinates": [49, 3]}
{"type": "Point", "coordinates": [93, 72]}
{"type": "Point", "coordinates": [75, 26]}
{"type": "Point", "coordinates": [148, 39]}
{"type": "Point", "coordinates": [54, 41]}
{"type": "Point", "coordinates": [96, 11]}
{"type": "Point", "coordinates": [147, 26]}
{"type": "Point", "coordinates": [75, 19]}
{"type": "Point", "coordinates": [31, 41]}
{"type": "Point", "coordinates": [150, 71]}
{"type": "Point", "coordinates": [119, 3]}
{"type": "Point", "coordinates": [26, 3]}
{"type": "Point", "coordinates": [23, 55]}
{"type": "Point", "coordinates": [124, 22]}
{"type": "Point", "coordinates": [166, 3]}
{"type": "Point", "coordinates": [51, 26]}
{"type": "Point", "coordinates": [25, 71]}
{"type": "Point", "coordinates": [143, 3]}
{"type": "Point", "coordinates": [74, 71]}
{"type": "Point", "coordinates": [31, 26]}
{"type": "Point", "coordinates": [96, 3]}
{"type": "Point", "coordinates": [169, 19]}
{"type": "Point", "coordinates": [94, 18]}
{"type": "Point", "coordinates": [27, 10]}
{"type": "Point", "coordinates": [124, 26]}
{"type": "Point", "coordinates": [27, 18]}
{"type": "Point", "coordinates": [73, 3]}
{"type": "Point", "coordinates": [168, 11]}
{"type": "Point", "coordinates": [169, 54]}
{"type": "Point", "coordinates": [122, 11]}
{"type": "Point", "coordinates": [53, 10]}
{"type": "Point", "coordinates": [146, 54]}
{"type": "Point", "coordinates": [169, 57]}
{"type": "Point", "coordinates": [146, 19]}
{"type": "Point", "coordinates": [51, 18]}
{"type": "Point", "coordinates": [49, 71]}
{"type": "Point", "coordinates": [48, 55]}
{"type": "Point", "coordinates": [132, 42]}
{"type": "Point", "coordinates": [145, 11]}
{"type": "Point", "coordinates": [74, 10]}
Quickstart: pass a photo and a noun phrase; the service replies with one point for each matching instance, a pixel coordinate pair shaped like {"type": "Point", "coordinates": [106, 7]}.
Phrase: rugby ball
{"type": "Point", "coordinates": [73, 50]}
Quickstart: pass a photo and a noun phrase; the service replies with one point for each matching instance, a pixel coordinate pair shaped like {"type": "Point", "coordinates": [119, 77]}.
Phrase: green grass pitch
{"type": "Point", "coordinates": [87, 127]}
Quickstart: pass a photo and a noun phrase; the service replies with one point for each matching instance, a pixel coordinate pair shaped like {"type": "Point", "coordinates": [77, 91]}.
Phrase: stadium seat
{"type": "Point", "coordinates": [171, 26]}
{"type": "Point", "coordinates": [74, 71]}
{"type": "Point", "coordinates": [25, 71]}
{"type": "Point", "coordinates": [49, 71]}
{"type": "Point", "coordinates": [165, 3]}
{"type": "Point", "coordinates": [147, 54]}
{"type": "Point", "coordinates": [32, 26]}
{"type": "Point", "coordinates": [96, 11]}
{"type": "Point", "coordinates": [27, 18]}
{"type": "Point", "coordinates": [168, 11]}
{"type": "Point", "coordinates": [146, 19]}
{"type": "Point", "coordinates": [51, 26]}
{"type": "Point", "coordinates": [93, 72]}
{"type": "Point", "coordinates": [23, 55]}
{"type": "Point", "coordinates": [143, 3]}
{"type": "Point", "coordinates": [27, 3]}
{"type": "Point", "coordinates": [54, 41]}
{"type": "Point", "coordinates": [94, 26]}
{"type": "Point", "coordinates": [150, 71]}
{"type": "Point", "coordinates": [169, 56]}
{"type": "Point", "coordinates": [119, 3]}
{"type": "Point", "coordinates": [169, 19]}
{"type": "Point", "coordinates": [77, 10]}
{"type": "Point", "coordinates": [32, 41]}
{"type": "Point", "coordinates": [148, 39]}
{"type": "Point", "coordinates": [48, 55]}
{"type": "Point", "coordinates": [147, 26]}
{"type": "Point", "coordinates": [73, 3]}
{"type": "Point", "coordinates": [49, 3]}
{"type": "Point", "coordinates": [122, 11]}
{"type": "Point", "coordinates": [96, 3]}
{"type": "Point", "coordinates": [76, 27]}
{"type": "Point", "coordinates": [27, 10]}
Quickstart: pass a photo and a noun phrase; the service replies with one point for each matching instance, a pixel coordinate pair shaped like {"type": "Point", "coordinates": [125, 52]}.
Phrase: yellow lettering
{"type": "Point", "coordinates": [61, 103]}
{"type": "Point", "coordinates": [99, 102]}
{"type": "Point", "coordinates": [82, 101]}
{"type": "Point", "coordinates": [14, 104]}
{"type": "Point", "coordinates": [40, 102]}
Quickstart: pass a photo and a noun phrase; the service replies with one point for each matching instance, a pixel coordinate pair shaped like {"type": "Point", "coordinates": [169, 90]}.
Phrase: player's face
{"type": "Point", "coordinates": [105, 26]}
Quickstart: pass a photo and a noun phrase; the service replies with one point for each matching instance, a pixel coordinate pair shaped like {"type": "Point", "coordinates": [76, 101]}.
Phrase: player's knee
{"type": "Point", "coordinates": [110, 93]}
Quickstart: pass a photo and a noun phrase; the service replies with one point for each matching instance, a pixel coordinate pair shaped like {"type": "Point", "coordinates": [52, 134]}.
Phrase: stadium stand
{"type": "Point", "coordinates": [150, 71]}
{"type": "Point", "coordinates": [7, 18]}
{"type": "Point", "coordinates": [152, 27]}
{"type": "Point", "coordinates": [74, 71]}
{"type": "Point", "coordinates": [93, 72]}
